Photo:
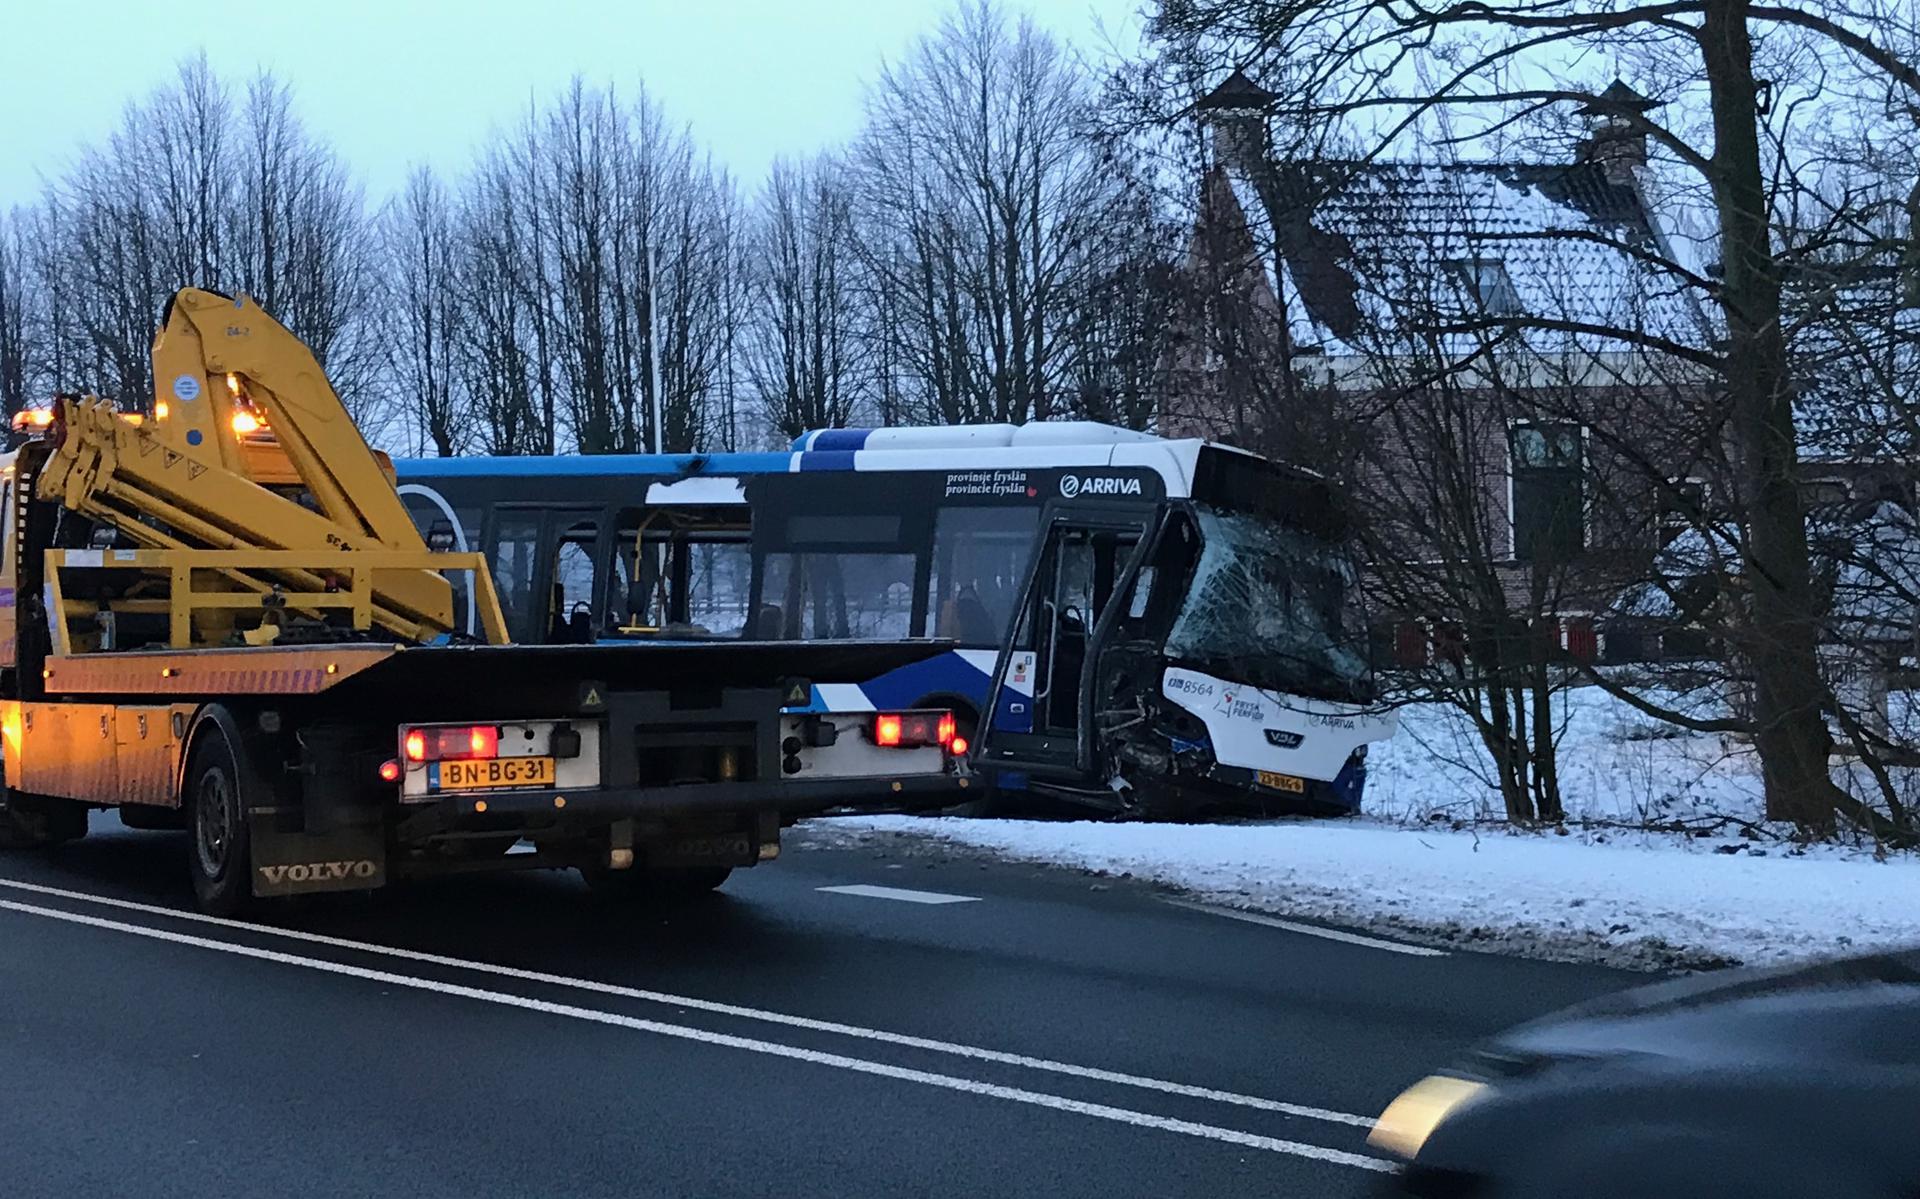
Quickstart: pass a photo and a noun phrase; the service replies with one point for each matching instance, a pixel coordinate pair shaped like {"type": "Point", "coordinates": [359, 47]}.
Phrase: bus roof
{"type": "Point", "coordinates": [936, 448]}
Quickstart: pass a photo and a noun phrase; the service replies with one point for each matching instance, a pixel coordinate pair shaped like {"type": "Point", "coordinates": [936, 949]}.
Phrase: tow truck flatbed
{"type": "Point", "coordinates": [434, 671]}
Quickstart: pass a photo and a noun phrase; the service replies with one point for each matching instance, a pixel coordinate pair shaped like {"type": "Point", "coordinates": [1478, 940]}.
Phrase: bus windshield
{"type": "Point", "coordinates": [1267, 606]}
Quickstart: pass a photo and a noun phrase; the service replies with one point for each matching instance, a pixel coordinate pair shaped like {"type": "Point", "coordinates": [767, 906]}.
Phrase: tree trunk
{"type": "Point", "coordinates": [1791, 734]}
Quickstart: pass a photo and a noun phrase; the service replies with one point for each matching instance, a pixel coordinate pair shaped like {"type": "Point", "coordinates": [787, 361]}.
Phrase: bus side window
{"type": "Point", "coordinates": [683, 577]}
{"type": "Point", "coordinates": [717, 578]}
{"type": "Point", "coordinates": [573, 590]}
{"type": "Point", "coordinates": [980, 562]}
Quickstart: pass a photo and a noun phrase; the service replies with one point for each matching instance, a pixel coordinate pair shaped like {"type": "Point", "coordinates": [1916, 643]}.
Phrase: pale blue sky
{"type": "Point", "coordinates": [394, 82]}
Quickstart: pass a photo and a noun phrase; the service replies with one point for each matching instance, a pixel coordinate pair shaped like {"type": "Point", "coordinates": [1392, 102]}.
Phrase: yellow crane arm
{"type": "Point", "coordinates": [215, 357]}
{"type": "Point", "coordinates": [182, 481]}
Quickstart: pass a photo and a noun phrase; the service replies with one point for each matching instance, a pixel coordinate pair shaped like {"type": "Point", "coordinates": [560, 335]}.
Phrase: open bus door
{"type": "Point", "coordinates": [1078, 593]}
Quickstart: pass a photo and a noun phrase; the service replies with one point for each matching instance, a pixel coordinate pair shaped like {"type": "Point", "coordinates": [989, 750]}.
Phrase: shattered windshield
{"type": "Point", "coordinates": [1268, 606]}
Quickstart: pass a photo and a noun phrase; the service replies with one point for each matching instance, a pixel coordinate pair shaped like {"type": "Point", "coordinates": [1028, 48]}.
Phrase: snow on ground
{"type": "Point", "coordinates": [1616, 764]}
{"type": "Point", "coordinates": [1647, 905]}
{"type": "Point", "coordinates": [1648, 873]}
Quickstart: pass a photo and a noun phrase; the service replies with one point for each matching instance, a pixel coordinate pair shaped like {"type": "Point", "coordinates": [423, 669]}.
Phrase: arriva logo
{"type": "Point", "coordinates": [1078, 485]}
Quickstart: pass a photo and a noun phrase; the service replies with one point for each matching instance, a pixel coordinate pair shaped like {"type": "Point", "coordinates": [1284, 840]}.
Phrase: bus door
{"type": "Point", "coordinates": [1087, 558]}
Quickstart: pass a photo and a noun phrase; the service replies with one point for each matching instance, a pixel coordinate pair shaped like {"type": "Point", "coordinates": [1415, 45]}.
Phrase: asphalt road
{"type": "Point", "coordinates": [970, 1028]}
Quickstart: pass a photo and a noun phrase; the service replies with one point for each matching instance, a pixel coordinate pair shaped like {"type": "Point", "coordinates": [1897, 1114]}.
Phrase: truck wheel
{"type": "Point", "coordinates": [219, 852]}
{"type": "Point", "coordinates": [35, 821]}
{"type": "Point", "coordinates": [661, 885]}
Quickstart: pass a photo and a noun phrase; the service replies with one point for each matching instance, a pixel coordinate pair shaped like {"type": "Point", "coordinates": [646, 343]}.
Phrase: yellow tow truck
{"type": "Point", "coordinates": [217, 615]}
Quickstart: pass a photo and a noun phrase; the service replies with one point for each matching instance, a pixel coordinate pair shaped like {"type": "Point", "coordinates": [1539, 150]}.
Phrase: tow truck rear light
{"type": "Point", "coordinates": [912, 730]}
{"type": "Point", "coordinates": [437, 743]}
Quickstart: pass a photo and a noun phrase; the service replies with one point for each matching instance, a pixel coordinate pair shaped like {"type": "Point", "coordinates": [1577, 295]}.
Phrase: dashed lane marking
{"type": "Point", "coordinates": [714, 1007]}
{"type": "Point", "coordinates": [869, 891]}
{"type": "Point", "coordinates": [1311, 930]}
{"type": "Point", "coordinates": [1100, 1111]}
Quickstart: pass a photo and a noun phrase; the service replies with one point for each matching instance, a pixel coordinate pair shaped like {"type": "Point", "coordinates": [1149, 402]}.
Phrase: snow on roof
{"type": "Point", "coordinates": [1855, 347]}
{"type": "Point", "coordinates": [1371, 257]}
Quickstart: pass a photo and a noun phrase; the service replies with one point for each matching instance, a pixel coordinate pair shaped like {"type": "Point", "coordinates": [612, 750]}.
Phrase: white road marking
{"type": "Point", "coordinates": [1311, 930]}
{"type": "Point", "coordinates": [949, 1082]}
{"type": "Point", "coordinates": [880, 1036]}
{"type": "Point", "coordinates": [868, 891]}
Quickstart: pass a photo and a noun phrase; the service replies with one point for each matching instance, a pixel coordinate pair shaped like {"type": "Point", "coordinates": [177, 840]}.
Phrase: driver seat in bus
{"type": "Point", "coordinates": [770, 624]}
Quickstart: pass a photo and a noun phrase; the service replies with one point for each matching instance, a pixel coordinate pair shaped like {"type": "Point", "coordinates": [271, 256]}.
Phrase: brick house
{"type": "Point", "coordinates": [1364, 317]}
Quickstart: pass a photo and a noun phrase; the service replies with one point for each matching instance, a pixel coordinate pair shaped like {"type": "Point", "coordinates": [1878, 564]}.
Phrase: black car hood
{"type": "Point", "coordinates": [1863, 1007]}
{"type": "Point", "coordinates": [1731, 986]}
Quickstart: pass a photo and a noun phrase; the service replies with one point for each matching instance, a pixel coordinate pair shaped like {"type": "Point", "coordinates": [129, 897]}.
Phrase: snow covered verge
{"type": "Point", "coordinates": [1616, 766]}
{"type": "Point", "coordinates": [1666, 858]}
{"type": "Point", "coordinates": [1646, 905]}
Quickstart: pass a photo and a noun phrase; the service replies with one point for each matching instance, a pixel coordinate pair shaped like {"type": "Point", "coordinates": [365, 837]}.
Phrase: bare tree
{"type": "Point", "coordinates": [507, 384]}
{"type": "Point", "coordinates": [424, 314]}
{"type": "Point", "coordinates": [15, 329]}
{"type": "Point", "coordinates": [192, 189]}
{"type": "Point", "coordinates": [1383, 70]}
{"type": "Point", "coordinates": [981, 188]}
{"type": "Point", "coordinates": [625, 234]}
{"type": "Point", "coordinates": [802, 351]}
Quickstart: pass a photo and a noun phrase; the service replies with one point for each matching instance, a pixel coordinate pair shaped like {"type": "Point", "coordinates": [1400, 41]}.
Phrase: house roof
{"type": "Point", "coordinates": [1235, 92]}
{"type": "Point", "coordinates": [1855, 346]}
{"type": "Point", "coordinates": [1616, 99]}
{"type": "Point", "coordinates": [1366, 252]}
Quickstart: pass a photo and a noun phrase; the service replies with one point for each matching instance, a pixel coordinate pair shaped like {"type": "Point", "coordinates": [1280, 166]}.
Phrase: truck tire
{"type": "Point", "coordinates": [637, 884]}
{"type": "Point", "coordinates": [37, 821]}
{"type": "Point", "coordinates": [219, 850]}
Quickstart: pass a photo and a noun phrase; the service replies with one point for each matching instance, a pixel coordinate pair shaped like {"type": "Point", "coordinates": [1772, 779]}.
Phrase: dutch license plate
{"type": "Point", "coordinates": [492, 774]}
{"type": "Point", "coordinates": [1281, 782]}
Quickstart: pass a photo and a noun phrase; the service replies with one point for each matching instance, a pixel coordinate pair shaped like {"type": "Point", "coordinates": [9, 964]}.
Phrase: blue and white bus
{"type": "Point", "coordinates": [1154, 625]}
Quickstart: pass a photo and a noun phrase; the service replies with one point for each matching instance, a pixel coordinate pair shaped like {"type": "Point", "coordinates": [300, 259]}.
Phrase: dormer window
{"type": "Point", "coordinates": [1486, 281]}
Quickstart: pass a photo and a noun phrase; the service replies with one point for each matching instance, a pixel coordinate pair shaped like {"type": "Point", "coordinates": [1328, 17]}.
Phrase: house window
{"type": "Point", "coordinates": [1549, 492]}
{"type": "Point", "coordinates": [1683, 507]}
{"type": "Point", "coordinates": [1487, 282]}
{"type": "Point", "coordinates": [1820, 493]}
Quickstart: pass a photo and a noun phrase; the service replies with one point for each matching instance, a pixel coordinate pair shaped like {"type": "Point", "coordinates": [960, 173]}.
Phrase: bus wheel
{"type": "Point", "coordinates": [219, 853]}
{"type": "Point", "coordinates": [34, 821]}
{"type": "Point", "coordinates": [659, 885]}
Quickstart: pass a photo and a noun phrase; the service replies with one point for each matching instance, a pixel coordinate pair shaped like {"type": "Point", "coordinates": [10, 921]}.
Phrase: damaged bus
{"type": "Point", "coordinates": [1139, 625]}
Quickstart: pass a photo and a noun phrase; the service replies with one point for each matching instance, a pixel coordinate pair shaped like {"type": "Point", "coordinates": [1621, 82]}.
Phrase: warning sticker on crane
{"type": "Point", "coordinates": [186, 388]}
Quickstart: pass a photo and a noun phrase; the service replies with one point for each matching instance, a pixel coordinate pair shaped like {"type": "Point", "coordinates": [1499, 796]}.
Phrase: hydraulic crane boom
{"type": "Point", "coordinates": [230, 382]}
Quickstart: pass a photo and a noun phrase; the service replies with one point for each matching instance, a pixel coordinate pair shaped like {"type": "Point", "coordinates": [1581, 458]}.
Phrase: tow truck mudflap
{"type": "Point", "coordinates": [290, 857]}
